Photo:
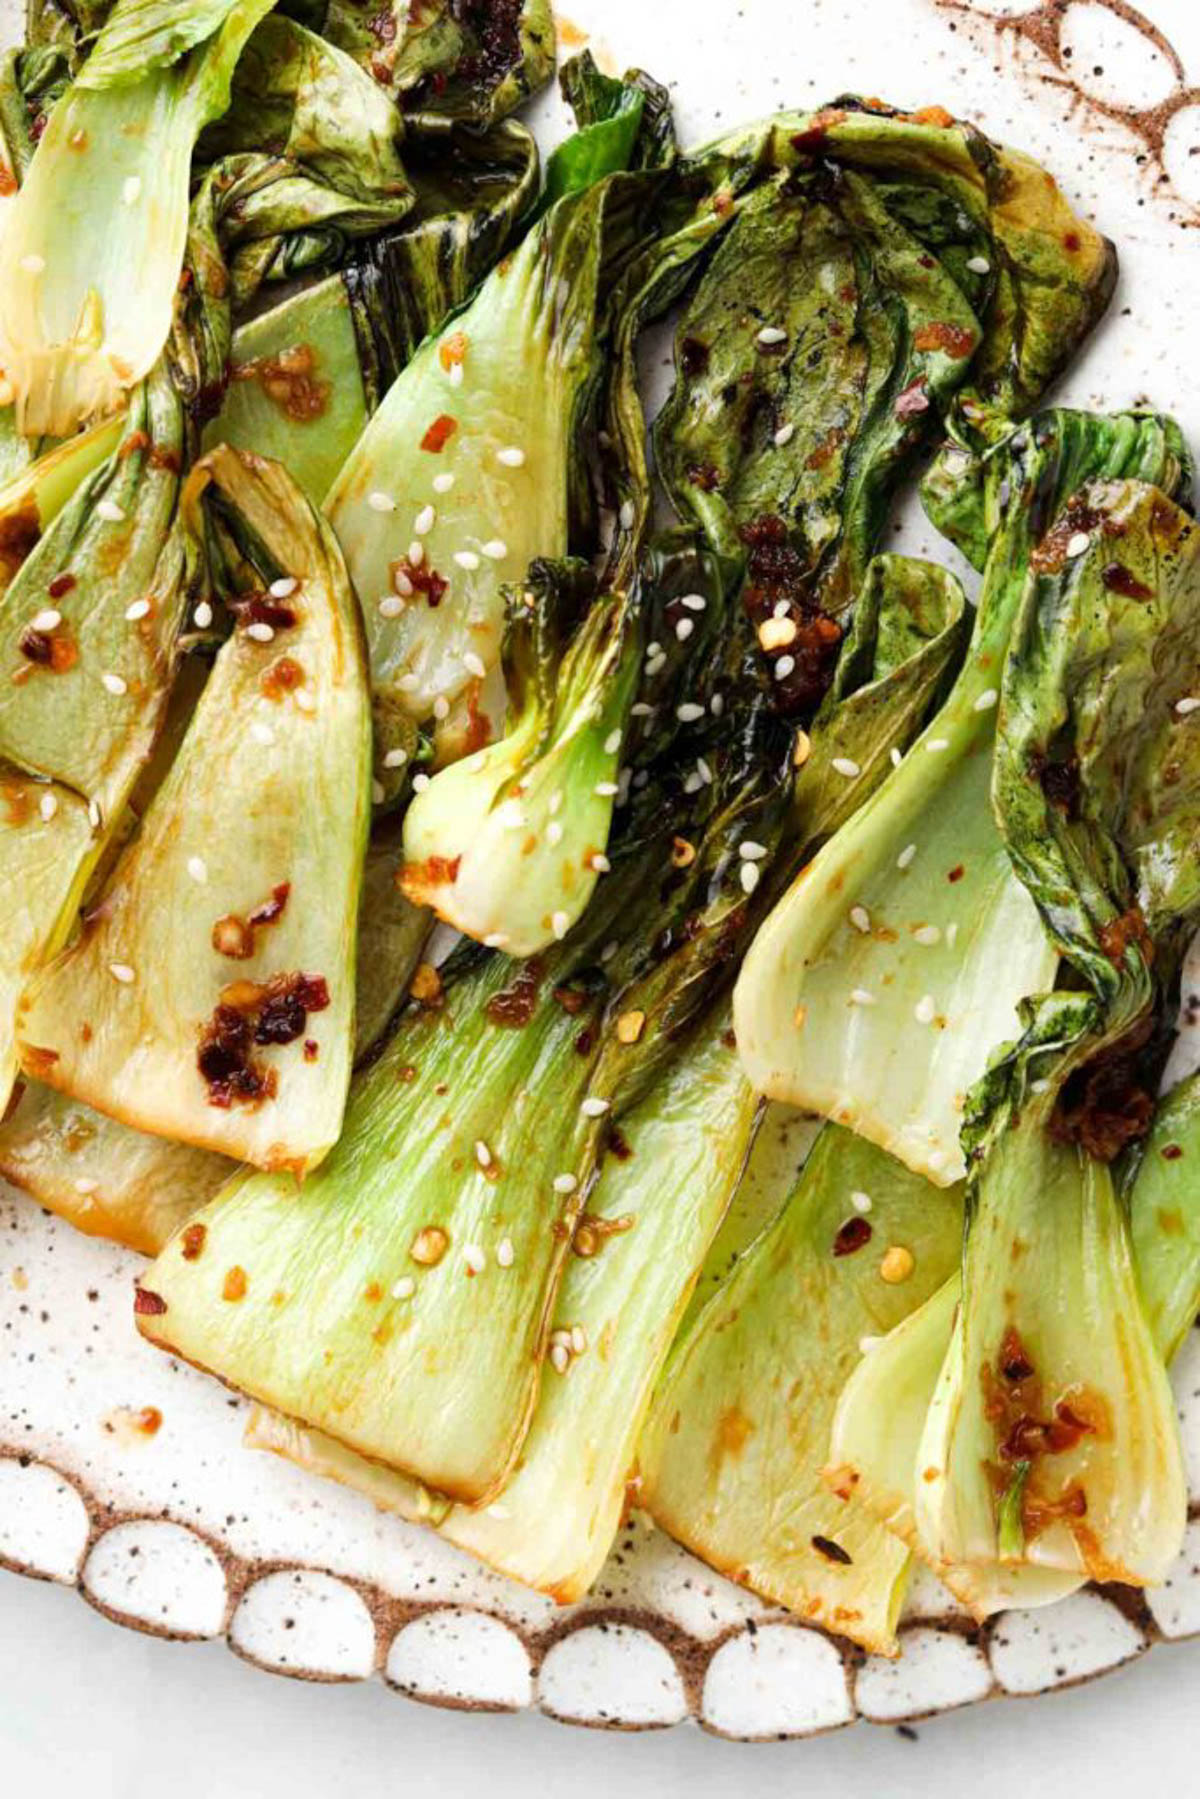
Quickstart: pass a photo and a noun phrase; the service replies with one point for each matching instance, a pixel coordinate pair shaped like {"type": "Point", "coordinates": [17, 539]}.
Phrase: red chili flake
{"type": "Point", "coordinates": [439, 433]}
{"type": "Point", "coordinates": [1072, 241]}
{"type": "Point", "coordinates": [148, 1420]}
{"type": "Point", "coordinates": [423, 579]}
{"type": "Point", "coordinates": [8, 181]}
{"type": "Point", "coordinates": [913, 400]}
{"type": "Point", "coordinates": [147, 1304]}
{"type": "Point", "coordinates": [619, 1144]}
{"type": "Point", "coordinates": [193, 1242]}
{"type": "Point", "coordinates": [453, 349]}
{"type": "Point", "coordinates": [261, 609]}
{"type": "Point", "coordinates": [955, 341]}
{"type": "Point", "coordinates": [1119, 579]}
{"type": "Point", "coordinates": [312, 1049]}
{"type": "Point", "coordinates": [284, 675]}
{"type": "Point", "coordinates": [516, 1005]}
{"type": "Point", "coordinates": [852, 1236]}
{"type": "Point", "coordinates": [36, 647]}
{"type": "Point", "coordinates": [704, 475]}
{"type": "Point", "coordinates": [271, 909]}
{"type": "Point", "coordinates": [60, 585]}
{"type": "Point", "coordinates": [134, 444]}
{"type": "Point", "coordinates": [956, 873]}
{"type": "Point", "coordinates": [833, 1552]}
{"type": "Point", "coordinates": [693, 356]}
{"type": "Point", "coordinates": [283, 1017]}
{"type": "Point", "coordinates": [1172, 1152]}
{"type": "Point", "coordinates": [1015, 1364]}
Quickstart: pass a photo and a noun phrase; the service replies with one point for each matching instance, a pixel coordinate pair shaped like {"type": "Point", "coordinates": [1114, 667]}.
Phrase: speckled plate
{"type": "Point", "coordinates": [184, 1533]}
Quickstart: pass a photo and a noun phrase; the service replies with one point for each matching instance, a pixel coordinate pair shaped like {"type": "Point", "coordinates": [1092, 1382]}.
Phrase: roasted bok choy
{"type": "Point", "coordinates": [328, 619]}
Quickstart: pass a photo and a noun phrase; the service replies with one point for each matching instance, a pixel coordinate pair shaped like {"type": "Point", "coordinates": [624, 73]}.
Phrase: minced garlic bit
{"type": "Point", "coordinates": [897, 1264]}
{"type": "Point", "coordinates": [426, 983]}
{"type": "Point", "coordinates": [683, 853]}
{"type": "Point", "coordinates": [429, 1245]}
{"type": "Point", "coordinates": [630, 1026]}
{"type": "Point", "coordinates": [777, 633]}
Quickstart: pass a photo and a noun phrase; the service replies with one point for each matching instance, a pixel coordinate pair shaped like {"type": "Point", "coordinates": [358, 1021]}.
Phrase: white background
{"type": "Point", "coordinates": [90, 1709]}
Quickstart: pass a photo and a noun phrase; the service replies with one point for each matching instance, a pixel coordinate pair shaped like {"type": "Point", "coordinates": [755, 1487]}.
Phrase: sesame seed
{"type": "Point", "coordinates": [504, 1253]}
{"type": "Point", "coordinates": [860, 997]}
{"type": "Point", "coordinates": [771, 335]}
{"type": "Point", "coordinates": [391, 606]}
{"type": "Point", "coordinates": [612, 743]}
{"type": "Point", "coordinates": [906, 855]}
{"type": "Point", "coordinates": [197, 867]}
{"type": "Point", "coordinates": [48, 619]}
{"type": "Point", "coordinates": [416, 553]}
{"type": "Point", "coordinates": [441, 707]}
{"type": "Point", "coordinates": [1037, 1087]}
{"type": "Point", "coordinates": [927, 934]}
{"type": "Point", "coordinates": [474, 664]}
{"type": "Point", "coordinates": [202, 617]}
{"type": "Point", "coordinates": [554, 832]}
{"type": "Point", "coordinates": [474, 1258]}
{"type": "Point", "coordinates": [121, 971]}
{"type": "Point", "coordinates": [560, 1358]}
{"type": "Point", "coordinates": [555, 801]}
{"type": "Point", "coordinates": [1186, 705]}
{"type": "Point", "coordinates": [750, 874]}
{"type": "Point", "coordinates": [986, 700]}
{"type": "Point", "coordinates": [137, 609]}
{"type": "Point", "coordinates": [1078, 544]}
{"type": "Point", "coordinates": [408, 683]}
{"type": "Point", "coordinates": [951, 933]}
{"type": "Point", "coordinates": [95, 816]}
{"type": "Point", "coordinates": [424, 521]}
{"type": "Point", "coordinates": [802, 749]}
{"type": "Point", "coordinates": [937, 744]}
{"type": "Point", "coordinates": [395, 758]}
{"type": "Point", "coordinates": [261, 633]}
{"type": "Point", "coordinates": [641, 709]}
{"type": "Point", "coordinates": [381, 502]}
{"type": "Point", "coordinates": [510, 816]}
{"type": "Point", "coordinates": [717, 704]}
{"type": "Point", "coordinates": [115, 684]}
{"type": "Point", "coordinates": [495, 549]}
{"type": "Point", "coordinates": [305, 700]}
{"type": "Point", "coordinates": [594, 1108]}
{"type": "Point", "coordinates": [842, 765]}
{"type": "Point", "coordinates": [897, 756]}
{"type": "Point", "coordinates": [609, 951]}
{"type": "Point", "coordinates": [579, 1340]}
{"type": "Point", "coordinates": [785, 434]}
{"type": "Point", "coordinates": [979, 265]}
{"type": "Point", "coordinates": [483, 1154]}
{"type": "Point", "coordinates": [47, 806]}
{"type": "Point", "coordinates": [925, 1009]}
{"type": "Point", "coordinates": [109, 511]}
{"type": "Point", "coordinates": [750, 851]}
{"type": "Point", "coordinates": [405, 1287]}
{"type": "Point", "coordinates": [860, 918]}
{"type": "Point", "coordinates": [131, 189]}
{"type": "Point", "coordinates": [466, 559]}
{"type": "Point", "coordinates": [84, 1185]}
{"type": "Point", "coordinates": [692, 783]}
{"type": "Point", "coordinates": [626, 515]}
{"type": "Point", "coordinates": [860, 1201]}
{"type": "Point", "coordinates": [455, 374]}
{"type": "Point", "coordinates": [511, 456]}
{"type": "Point", "coordinates": [605, 789]}
{"type": "Point", "coordinates": [560, 924]}
{"type": "Point", "coordinates": [443, 483]}
{"type": "Point", "coordinates": [599, 863]}
{"type": "Point", "coordinates": [565, 1183]}
{"type": "Point", "coordinates": [783, 669]}
{"type": "Point", "coordinates": [695, 602]}
{"type": "Point", "coordinates": [284, 588]}
{"type": "Point", "coordinates": [378, 793]}
{"type": "Point", "coordinates": [689, 712]}
{"type": "Point", "coordinates": [684, 629]}
{"type": "Point", "coordinates": [704, 771]}
{"type": "Point", "coordinates": [33, 265]}
{"type": "Point", "coordinates": [262, 733]}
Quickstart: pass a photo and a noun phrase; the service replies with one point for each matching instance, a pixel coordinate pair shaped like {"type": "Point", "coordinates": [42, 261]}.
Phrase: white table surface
{"type": "Point", "coordinates": [88, 1709]}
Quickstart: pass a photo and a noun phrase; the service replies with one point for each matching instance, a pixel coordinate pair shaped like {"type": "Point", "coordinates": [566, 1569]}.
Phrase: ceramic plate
{"type": "Point", "coordinates": [184, 1533]}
